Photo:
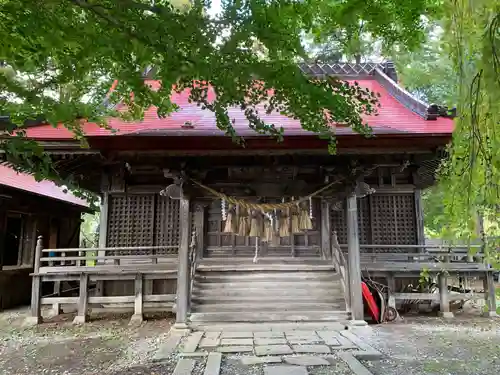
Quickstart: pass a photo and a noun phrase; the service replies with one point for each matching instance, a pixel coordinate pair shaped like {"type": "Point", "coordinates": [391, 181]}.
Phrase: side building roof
{"type": "Point", "coordinates": [25, 182]}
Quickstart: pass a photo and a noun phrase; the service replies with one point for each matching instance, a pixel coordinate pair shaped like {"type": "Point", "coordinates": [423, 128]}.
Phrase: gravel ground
{"type": "Point", "coordinates": [424, 346]}
{"type": "Point", "coordinates": [108, 346]}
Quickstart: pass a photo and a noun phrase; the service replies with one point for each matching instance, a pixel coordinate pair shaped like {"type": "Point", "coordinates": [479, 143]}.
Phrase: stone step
{"type": "Point", "coordinates": [271, 292]}
{"type": "Point", "coordinates": [263, 330]}
{"type": "Point", "coordinates": [225, 268]}
{"type": "Point", "coordinates": [275, 260]}
{"type": "Point", "coordinates": [267, 306]}
{"type": "Point", "coordinates": [288, 316]}
{"type": "Point", "coordinates": [320, 286]}
{"type": "Point", "coordinates": [266, 277]}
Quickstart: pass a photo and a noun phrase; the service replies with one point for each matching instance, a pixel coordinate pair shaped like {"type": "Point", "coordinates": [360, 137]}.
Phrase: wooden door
{"type": "Point", "coordinates": [218, 243]}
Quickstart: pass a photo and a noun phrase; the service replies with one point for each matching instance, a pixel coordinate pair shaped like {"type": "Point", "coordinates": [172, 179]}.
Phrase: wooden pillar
{"type": "Point", "coordinates": [103, 220]}
{"type": "Point", "coordinates": [36, 311]}
{"type": "Point", "coordinates": [199, 222]}
{"type": "Point", "coordinates": [56, 307]}
{"type": "Point", "coordinates": [137, 318]}
{"type": "Point", "coordinates": [391, 284]}
{"type": "Point", "coordinates": [183, 271]}
{"type": "Point", "coordinates": [103, 238]}
{"type": "Point", "coordinates": [354, 259]}
{"type": "Point", "coordinates": [419, 216]}
{"type": "Point", "coordinates": [444, 302]}
{"type": "Point", "coordinates": [326, 232]}
{"type": "Point", "coordinates": [83, 298]}
{"type": "Point", "coordinates": [3, 230]}
{"type": "Point", "coordinates": [489, 295]}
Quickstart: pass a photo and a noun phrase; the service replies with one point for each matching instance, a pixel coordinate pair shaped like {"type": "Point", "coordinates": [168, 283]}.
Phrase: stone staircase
{"type": "Point", "coordinates": [272, 290]}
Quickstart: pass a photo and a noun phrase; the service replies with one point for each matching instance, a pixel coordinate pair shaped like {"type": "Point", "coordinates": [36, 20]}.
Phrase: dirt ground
{"type": "Point", "coordinates": [469, 345]}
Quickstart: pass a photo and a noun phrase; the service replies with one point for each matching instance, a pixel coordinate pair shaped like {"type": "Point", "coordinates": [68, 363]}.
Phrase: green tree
{"type": "Point", "coordinates": [470, 177]}
{"type": "Point", "coordinates": [428, 71]}
{"type": "Point", "coordinates": [87, 44]}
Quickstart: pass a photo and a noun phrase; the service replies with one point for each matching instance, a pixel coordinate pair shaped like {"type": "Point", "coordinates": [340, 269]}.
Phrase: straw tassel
{"type": "Point", "coordinates": [305, 222]}
{"type": "Point", "coordinates": [285, 223]}
{"type": "Point", "coordinates": [243, 225]}
{"type": "Point", "coordinates": [255, 224]}
{"type": "Point", "coordinates": [231, 220]}
{"type": "Point", "coordinates": [295, 219]}
{"type": "Point", "coordinates": [268, 235]}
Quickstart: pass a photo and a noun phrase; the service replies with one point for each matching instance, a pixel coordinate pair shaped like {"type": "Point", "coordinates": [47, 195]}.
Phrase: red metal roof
{"type": "Point", "coordinates": [393, 118]}
{"type": "Point", "coordinates": [26, 182]}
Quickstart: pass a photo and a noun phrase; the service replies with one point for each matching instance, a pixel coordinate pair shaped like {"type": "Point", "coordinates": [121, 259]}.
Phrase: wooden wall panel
{"type": "Point", "coordinates": [386, 219]}
{"type": "Point", "coordinates": [131, 220]}
{"type": "Point", "coordinates": [143, 220]}
{"type": "Point", "coordinates": [339, 224]}
{"type": "Point", "coordinates": [167, 224]}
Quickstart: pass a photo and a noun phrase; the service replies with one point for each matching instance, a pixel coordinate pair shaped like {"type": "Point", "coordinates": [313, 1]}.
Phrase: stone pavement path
{"type": "Point", "coordinates": [291, 352]}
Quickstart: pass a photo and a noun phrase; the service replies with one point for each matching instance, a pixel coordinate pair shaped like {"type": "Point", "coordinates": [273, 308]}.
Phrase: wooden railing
{"type": "Point", "coordinates": [141, 265]}
{"type": "Point", "coordinates": [394, 257]}
{"type": "Point", "coordinates": [342, 267]}
{"type": "Point", "coordinates": [104, 257]}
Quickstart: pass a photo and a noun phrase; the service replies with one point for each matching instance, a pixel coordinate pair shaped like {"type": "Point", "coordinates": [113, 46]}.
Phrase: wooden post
{"type": "Point", "coordinates": [3, 229]}
{"type": "Point", "coordinates": [444, 303]}
{"type": "Point", "coordinates": [183, 272]}
{"type": "Point", "coordinates": [199, 222]}
{"type": "Point", "coordinates": [36, 312]}
{"type": "Point", "coordinates": [326, 247]}
{"type": "Point", "coordinates": [56, 307]}
{"type": "Point", "coordinates": [419, 215]}
{"type": "Point", "coordinates": [356, 297]}
{"type": "Point", "coordinates": [81, 316]}
{"type": "Point", "coordinates": [391, 284]}
{"type": "Point", "coordinates": [103, 237]}
{"type": "Point", "coordinates": [137, 318]}
{"type": "Point", "coordinates": [489, 295]}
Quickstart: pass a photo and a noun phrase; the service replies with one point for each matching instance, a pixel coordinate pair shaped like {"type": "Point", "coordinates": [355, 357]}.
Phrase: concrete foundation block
{"type": "Point", "coordinates": [490, 314]}
{"type": "Point", "coordinates": [136, 320]}
{"type": "Point", "coordinates": [32, 321]}
{"type": "Point", "coordinates": [80, 319]}
{"type": "Point", "coordinates": [446, 314]}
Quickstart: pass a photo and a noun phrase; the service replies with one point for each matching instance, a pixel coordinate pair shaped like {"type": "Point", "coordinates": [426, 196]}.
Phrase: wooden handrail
{"type": "Point", "coordinates": [121, 248]}
{"type": "Point", "coordinates": [343, 269]}
{"type": "Point", "coordinates": [385, 246]}
{"type": "Point", "coordinates": [101, 257]}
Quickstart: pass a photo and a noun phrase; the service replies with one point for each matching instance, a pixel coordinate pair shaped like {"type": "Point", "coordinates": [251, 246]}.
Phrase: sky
{"type": "Point", "coordinates": [215, 8]}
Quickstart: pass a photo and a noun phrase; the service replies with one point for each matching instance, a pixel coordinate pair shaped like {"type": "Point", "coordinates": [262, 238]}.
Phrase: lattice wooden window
{"type": "Point", "coordinates": [131, 220]}
{"type": "Point", "coordinates": [406, 227]}
{"type": "Point", "coordinates": [393, 218]}
{"type": "Point", "coordinates": [167, 224]}
{"type": "Point", "coordinates": [338, 222]}
{"type": "Point", "coordinates": [364, 220]}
